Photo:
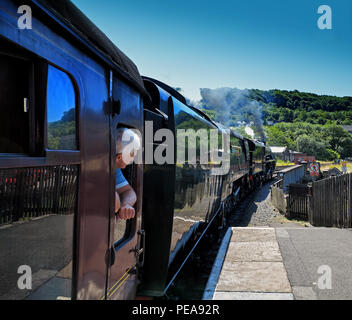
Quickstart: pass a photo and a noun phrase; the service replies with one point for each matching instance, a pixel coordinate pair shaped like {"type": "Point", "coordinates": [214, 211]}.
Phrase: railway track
{"type": "Point", "coordinates": [254, 210]}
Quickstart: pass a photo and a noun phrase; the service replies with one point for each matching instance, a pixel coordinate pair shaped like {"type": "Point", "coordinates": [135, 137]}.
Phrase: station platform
{"type": "Point", "coordinates": [249, 266]}
{"type": "Point", "coordinates": [282, 263]}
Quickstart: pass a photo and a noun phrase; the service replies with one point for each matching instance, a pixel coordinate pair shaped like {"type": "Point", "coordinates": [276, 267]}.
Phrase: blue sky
{"type": "Point", "coordinates": [257, 44]}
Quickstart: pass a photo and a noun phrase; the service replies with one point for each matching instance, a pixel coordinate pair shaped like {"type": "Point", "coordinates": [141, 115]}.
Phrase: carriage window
{"type": "Point", "coordinates": [237, 155]}
{"type": "Point", "coordinates": [61, 111]}
{"type": "Point", "coordinates": [14, 104]}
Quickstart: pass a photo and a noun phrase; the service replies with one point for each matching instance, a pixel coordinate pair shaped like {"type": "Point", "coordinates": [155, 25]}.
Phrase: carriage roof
{"type": "Point", "coordinates": [83, 28]}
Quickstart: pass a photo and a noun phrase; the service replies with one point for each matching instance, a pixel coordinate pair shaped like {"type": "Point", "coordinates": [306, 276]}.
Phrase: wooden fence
{"type": "Point", "coordinates": [327, 203]}
{"type": "Point", "coordinates": [331, 202]}
{"type": "Point", "coordinates": [298, 202]}
{"type": "Point", "coordinates": [34, 192]}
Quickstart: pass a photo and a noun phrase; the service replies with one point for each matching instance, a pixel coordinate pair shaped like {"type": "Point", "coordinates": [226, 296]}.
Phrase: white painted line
{"type": "Point", "coordinates": [216, 270]}
{"type": "Point", "coordinates": [253, 228]}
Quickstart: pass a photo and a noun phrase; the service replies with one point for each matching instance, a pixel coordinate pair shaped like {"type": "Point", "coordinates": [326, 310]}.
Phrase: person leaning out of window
{"type": "Point", "coordinates": [127, 145]}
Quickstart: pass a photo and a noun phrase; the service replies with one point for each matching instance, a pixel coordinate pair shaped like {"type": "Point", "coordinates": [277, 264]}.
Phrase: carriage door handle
{"type": "Point", "coordinates": [110, 257]}
{"type": "Point", "coordinates": [116, 107]}
{"type": "Point", "coordinates": [141, 251]}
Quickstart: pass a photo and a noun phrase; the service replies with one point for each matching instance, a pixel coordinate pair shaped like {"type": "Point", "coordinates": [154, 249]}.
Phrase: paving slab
{"type": "Point", "coordinates": [255, 234]}
{"type": "Point", "coordinates": [284, 263]}
{"type": "Point", "coordinates": [252, 268]}
{"type": "Point", "coordinates": [254, 277]}
{"type": "Point", "coordinates": [253, 251]}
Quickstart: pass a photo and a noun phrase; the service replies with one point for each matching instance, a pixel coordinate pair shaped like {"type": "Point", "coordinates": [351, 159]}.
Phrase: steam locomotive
{"type": "Point", "coordinates": [65, 88]}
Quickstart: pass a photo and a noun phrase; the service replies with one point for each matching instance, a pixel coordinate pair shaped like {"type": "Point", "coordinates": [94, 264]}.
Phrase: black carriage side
{"type": "Point", "coordinates": [68, 88]}
{"type": "Point", "coordinates": [177, 216]}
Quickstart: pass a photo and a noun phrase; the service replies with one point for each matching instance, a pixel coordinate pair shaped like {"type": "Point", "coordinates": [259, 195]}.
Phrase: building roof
{"type": "Point", "coordinates": [278, 149]}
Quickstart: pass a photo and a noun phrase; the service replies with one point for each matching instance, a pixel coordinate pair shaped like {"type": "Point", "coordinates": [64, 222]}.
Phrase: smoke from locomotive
{"type": "Point", "coordinates": [232, 107]}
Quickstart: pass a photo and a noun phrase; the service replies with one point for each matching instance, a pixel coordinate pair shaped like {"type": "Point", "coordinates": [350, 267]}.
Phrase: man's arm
{"type": "Point", "coordinates": [127, 200]}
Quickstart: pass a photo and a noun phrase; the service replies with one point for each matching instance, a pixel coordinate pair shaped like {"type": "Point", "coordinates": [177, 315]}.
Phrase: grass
{"type": "Point", "coordinates": [282, 219]}
{"type": "Point", "coordinates": [281, 163]}
{"type": "Point", "coordinates": [324, 165]}
{"type": "Point", "coordinates": [329, 165]}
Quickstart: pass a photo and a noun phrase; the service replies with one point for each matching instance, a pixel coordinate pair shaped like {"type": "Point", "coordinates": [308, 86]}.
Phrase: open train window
{"type": "Point", "coordinates": [15, 104]}
{"type": "Point", "coordinates": [124, 229]}
{"type": "Point", "coordinates": [61, 111]}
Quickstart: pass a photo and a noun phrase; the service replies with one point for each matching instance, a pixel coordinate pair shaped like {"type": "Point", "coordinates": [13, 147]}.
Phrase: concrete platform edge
{"type": "Point", "coordinates": [217, 267]}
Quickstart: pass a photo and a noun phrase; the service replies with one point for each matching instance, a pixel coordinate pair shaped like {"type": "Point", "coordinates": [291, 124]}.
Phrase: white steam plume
{"type": "Point", "coordinates": [233, 106]}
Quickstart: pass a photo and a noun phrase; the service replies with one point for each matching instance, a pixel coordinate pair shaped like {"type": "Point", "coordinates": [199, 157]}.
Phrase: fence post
{"type": "Point", "coordinates": [57, 190]}
{"type": "Point", "coordinates": [348, 211]}
{"type": "Point", "coordinates": [310, 205]}
{"type": "Point", "coordinates": [349, 217]}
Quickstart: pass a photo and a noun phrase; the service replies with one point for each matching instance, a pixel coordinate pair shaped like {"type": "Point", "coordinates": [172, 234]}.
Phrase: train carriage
{"type": "Point", "coordinates": [269, 163]}
{"type": "Point", "coordinates": [65, 89]}
{"type": "Point", "coordinates": [194, 199]}
{"type": "Point", "coordinates": [179, 198]}
{"type": "Point", "coordinates": [261, 161]}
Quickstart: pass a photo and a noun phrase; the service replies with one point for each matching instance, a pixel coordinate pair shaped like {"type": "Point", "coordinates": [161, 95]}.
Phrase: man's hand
{"type": "Point", "coordinates": [126, 212]}
{"type": "Point", "coordinates": [125, 199]}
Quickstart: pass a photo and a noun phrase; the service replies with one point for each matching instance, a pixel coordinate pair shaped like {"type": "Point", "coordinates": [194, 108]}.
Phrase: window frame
{"type": "Point", "coordinates": [64, 153]}
{"type": "Point", "coordinates": [38, 154]}
{"type": "Point", "coordinates": [130, 174]}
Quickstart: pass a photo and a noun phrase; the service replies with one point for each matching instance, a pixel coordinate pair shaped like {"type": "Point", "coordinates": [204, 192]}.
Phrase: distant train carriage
{"type": "Point", "coordinates": [269, 163]}
{"type": "Point", "coordinates": [262, 162]}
